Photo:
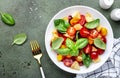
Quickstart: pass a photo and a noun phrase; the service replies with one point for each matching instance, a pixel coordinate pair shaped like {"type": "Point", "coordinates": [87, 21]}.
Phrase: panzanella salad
{"type": "Point", "coordinates": [78, 39]}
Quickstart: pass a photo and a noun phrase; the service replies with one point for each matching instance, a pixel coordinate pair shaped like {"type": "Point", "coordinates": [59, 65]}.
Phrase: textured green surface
{"type": "Point", "coordinates": [32, 18]}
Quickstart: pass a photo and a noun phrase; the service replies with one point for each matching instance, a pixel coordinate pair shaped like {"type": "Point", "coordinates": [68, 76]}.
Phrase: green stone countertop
{"type": "Point", "coordinates": [32, 18]}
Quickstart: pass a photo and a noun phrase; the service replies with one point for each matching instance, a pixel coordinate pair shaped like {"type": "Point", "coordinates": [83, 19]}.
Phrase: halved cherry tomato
{"type": "Point", "coordinates": [104, 39]}
{"type": "Point", "coordinates": [100, 51]}
{"type": "Point", "coordinates": [94, 33]}
{"type": "Point", "coordinates": [87, 49]}
{"type": "Point", "coordinates": [74, 21]}
{"type": "Point", "coordinates": [84, 32]}
{"type": "Point", "coordinates": [82, 20]}
{"type": "Point", "coordinates": [94, 55]}
{"type": "Point", "coordinates": [71, 31]}
{"type": "Point", "coordinates": [68, 62]}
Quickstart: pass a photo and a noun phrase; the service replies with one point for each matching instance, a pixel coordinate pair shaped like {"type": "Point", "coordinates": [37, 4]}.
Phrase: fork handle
{"type": "Point", "coordinates": [43, 75]}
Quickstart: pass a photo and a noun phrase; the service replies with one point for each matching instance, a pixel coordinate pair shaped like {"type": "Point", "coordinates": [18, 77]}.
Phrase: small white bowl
{"type": "Point", "coordinates": [82, 9]}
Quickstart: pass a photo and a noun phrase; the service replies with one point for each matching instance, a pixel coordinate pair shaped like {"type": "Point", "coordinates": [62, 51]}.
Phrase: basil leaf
{"type": "Point", "coordinates": [99, 43]}
{"type": "Point", "coordinates": [74, 52]}
{"type": "Point", "coordinates": [61, 25]}
{"type": "Point", "coordinates": [87, 61]}
{"type": "Point", "coordinates": [93, 24]}
{"type": "Point", "coordinates": [83, 55]}
{"type": "Point", "coordinates": [81, 43]}
{"type": "Point", "coordinates": [63, 51]}
{"type": "Point", "coordinates": [57, 43]}
{"type": "Point", "coordinates": [69, 43]}
{"type": "Point", "coordinates": [66, 23]}
{"type": "Point", "coordinates": [19, 38]}
{"type": "Point", "coordinates": [7, 19]}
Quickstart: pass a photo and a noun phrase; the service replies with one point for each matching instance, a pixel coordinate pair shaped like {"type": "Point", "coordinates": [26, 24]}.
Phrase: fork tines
{"type": "Point", "coordinates": [35, 47]}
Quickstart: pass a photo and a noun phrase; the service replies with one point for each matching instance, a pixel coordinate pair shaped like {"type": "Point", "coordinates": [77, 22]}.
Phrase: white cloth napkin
{"type": "Point", "coordinates": [111, 68]}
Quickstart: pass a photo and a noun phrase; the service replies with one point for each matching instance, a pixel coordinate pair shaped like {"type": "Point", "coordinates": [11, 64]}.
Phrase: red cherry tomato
{"type": "Point", "coordinates": [82, 20]}
{"type": "Point", "coordinates": [104, 39]}
{"type": "Point", "coordinates": [84, 32]}
{"type": "Point", "coordinates": [71, 31]}
{"type": "Point", "coordinates": [88, 49]}
{"type": "Point", "coordinates": [68, 62]}
{"type": "Point", "coordinates": [94, 33]}
{"type": "Point", "coordinates": [94, 55]}
{"type": "Point", "coordinates": [100, 51]}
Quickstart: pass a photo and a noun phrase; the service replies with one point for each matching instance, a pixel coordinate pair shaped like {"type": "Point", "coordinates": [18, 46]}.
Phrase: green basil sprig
{"type": "Point", "coordinates": [7, 19]}
{"type": "Point", "coordinates": [19, 38]}
{"type": "Point", "coordinates": [93, 24]}
{"type": "Point", "coordinates": [73, 48]}
{"type": "Point", "coordinates": [61, 25]}
{"type": "Point", "coordinates": [99, 43]}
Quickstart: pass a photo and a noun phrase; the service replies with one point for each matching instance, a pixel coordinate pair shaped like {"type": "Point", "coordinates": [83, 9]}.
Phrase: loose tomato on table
{"type": "Point", "coordinates": [82, 20]}
{"type": "Point", "coordinates": [84, 32]}
{"type": "Point", "coordinates": [71, 31]}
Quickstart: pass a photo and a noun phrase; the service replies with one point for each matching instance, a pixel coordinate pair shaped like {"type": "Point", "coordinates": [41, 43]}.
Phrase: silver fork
{"type": "Point", "coordinates": [37, 53]}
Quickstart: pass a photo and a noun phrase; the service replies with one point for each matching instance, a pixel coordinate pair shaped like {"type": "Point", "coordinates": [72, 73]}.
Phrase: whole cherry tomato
{"type": "Point", "coordinates": [94, 55]}
{"type": "Point", "coordinates": [84, 32]}
{"type": "Point", "coordinates": [100, 51]}
{"type": "Point", "coordinates": [71, 31]}
{"type": "Point", "coordinates": [82, 20]}
{"type": "Point", "coordinates": [87, 49]}
{"type": "Point", "coordinates": [94, 33]}
{"type": "Point", "coordinates": [68, 62]}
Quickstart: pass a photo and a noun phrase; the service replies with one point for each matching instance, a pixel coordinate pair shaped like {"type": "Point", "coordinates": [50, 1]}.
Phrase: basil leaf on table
{"type": "Point", "coordinates": [19, 38]}
{"type": "Point", "coordinates": [81, 43]}
{"type": "Point", "coordinates": [57, 43]}
{"type": "Point", "coordinates": [7, 19]}
{"type": "Point", "coordinates": [99, 43]}
{"type": "Point", "coordinates": [63, 51]}
{"type": "Point", "coordinates": [69, 43]}
{"type": "Point", "coordinates": [93, 24]}
{"type": "Point", "coordinates": [61, 25]}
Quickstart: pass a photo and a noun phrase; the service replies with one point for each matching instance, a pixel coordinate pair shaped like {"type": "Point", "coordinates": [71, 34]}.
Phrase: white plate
{"type": "Point", "coordinates": [83, 10]}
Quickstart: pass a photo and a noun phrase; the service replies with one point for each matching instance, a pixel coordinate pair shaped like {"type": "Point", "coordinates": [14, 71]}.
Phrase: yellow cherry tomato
{"type": "Point", "coordinates": [74, 21]}
{"type": "Point", "coordinates": [59, 57]}
{"type": "Point", "coordinates": [103, 31]}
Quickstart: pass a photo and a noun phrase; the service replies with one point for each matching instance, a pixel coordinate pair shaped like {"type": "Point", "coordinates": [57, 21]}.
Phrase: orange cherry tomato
{"type": "Point", "coordinates": [74, 21]}
{"type": "Point", "coordinates": [71, 31]}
